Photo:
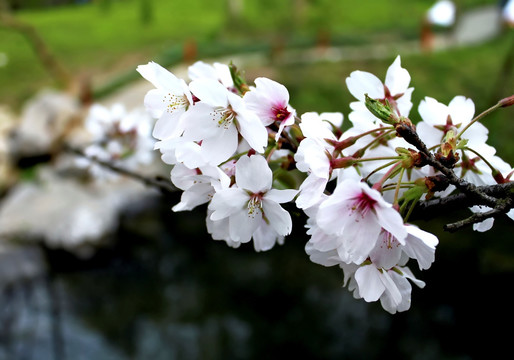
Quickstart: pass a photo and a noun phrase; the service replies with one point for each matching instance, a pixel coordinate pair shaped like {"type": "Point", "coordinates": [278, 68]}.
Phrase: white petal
{"type": "Point", "coordinates": [392, 221]}
{"type": "Point", "coordinates": [484, 226]}
{"type": "Point", "coordinates": [253, 174]}
{"type": "Point", "coordinates": [433, 112]}
{"type": "Point", "coordinates": [252, 130]}
{"type": "Point", "coordinates": [272, 89]}
{"type": "Point", "coordinates": [281, 196]}
{"type": "Point", "coordinates": [196, 195]}
{"type": "Point", "coordinates": [218, 149]}
{"type": "Point", "coordinates": [391, 288]}
{"type": "Point", "coordinates": [387, 251]}
{"type": "Point", "coordinates": [264, 237]}
{"type": "Point", "coordinates": [242, 226]}
{"type": "Point", "coordinates": [361, 82]}
{"type": "Point", "coordinates": [227, 202]}
{"type": "Point", "coordinates": [360, 236]}
{"type": "Point", "coordinates": [388, 300]}
{"type": "Point", "coordinates": [278, 218]}
{"type": "Point", "coordinates": [461, 110]}
{"type": "Point", "coordinates": [311, 191]}
{"type": "Point", "coordinates": [397, 78]}
{"type": "Point", "coordinates": [159, 76]}
{"type": "Point", "coordinates": [168, 125]}
{"type": "Point", "coordinates": [328, 258]}
{"type": "Point", "coordinates": [210, 91]}
{"type": "Point", "coordinates": [371, 286]}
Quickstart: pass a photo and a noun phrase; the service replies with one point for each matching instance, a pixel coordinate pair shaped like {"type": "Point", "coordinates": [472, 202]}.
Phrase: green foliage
{"type": "Point", "coordinates": [473, 72]}
{"type": "Point", "coordinates": [103, 38]}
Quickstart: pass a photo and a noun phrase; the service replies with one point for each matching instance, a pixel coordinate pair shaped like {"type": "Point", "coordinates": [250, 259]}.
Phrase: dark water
{"type": "Point", "coordinates": [165, 290]}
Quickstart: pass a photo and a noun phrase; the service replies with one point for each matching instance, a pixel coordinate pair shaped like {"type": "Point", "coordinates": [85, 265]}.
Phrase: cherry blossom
{"type": "Point", "coordinates": [270, 101]}
{"type": "Point", "coordinates": [252, 201]}
{"type": "Point", "coordinates": [314, 155]}
{"type": "Point", "coordinates": [199, 185]}
{"type": "Point", "coordinates": [394, 90]}
{"type": "Point", "coordinates": [167, 102]}
{"type": "Point", "coordinates": [118, 136]}
{"type": "Point", "coordinates": [356, 214]}
{"type": "Point", "coordinates": [218, 119]}
{"type": "Point", "coordinates": [239, 150]}
{"type": "Point", "coordinates": [216, 71]}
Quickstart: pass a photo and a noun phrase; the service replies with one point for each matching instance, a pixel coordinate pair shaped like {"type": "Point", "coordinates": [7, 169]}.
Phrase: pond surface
{"type": "Point", "coordinates": [165, 290]}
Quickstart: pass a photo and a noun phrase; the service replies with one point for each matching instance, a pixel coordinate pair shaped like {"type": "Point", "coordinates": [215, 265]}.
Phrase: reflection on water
{"type": "Point", "coordinates": [166, 291]}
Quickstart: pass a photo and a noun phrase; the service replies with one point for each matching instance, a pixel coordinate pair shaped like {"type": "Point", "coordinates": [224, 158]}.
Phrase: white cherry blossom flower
{"type": "Point", "coordinates": [117, 136]}
{"type": "Point", "coordinates": [314, 155]}
{"type": "Point", "coordinates": [252, 201]}
{"type": "Point", "coordinates": [270, 101]}
{"type": "Point", "coordinates": [181, 151]}
{"type": "Point", "coordinates": [167, 102]}
{"type": "Point", "coordinates": [356, 214]}
{"type": "Point", "coordinates": [439, 118]}
{"type": "Point", "coordinates": [199, 185]}
{"type": "Point", "coordinates": [391, 286]}
{"type": "Point", "coordinates": [216, 71]}
{"type": "Point", "coordinates": [217, 120]}
{"type": "Point", "coordinates": [395, 90]}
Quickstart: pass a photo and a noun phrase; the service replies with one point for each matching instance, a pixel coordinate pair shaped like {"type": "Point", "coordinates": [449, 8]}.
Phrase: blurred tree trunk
{"type": "Point", "coordinates": [146, 11]}
{"type": "Point", "coordinates": [54, 67]}
{"type": "Point", "coordinates": [234, 12]}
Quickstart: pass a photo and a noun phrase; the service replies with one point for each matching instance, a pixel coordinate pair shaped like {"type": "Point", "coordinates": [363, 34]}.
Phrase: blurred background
{"type": "Point", "coordinates": [109, 272]}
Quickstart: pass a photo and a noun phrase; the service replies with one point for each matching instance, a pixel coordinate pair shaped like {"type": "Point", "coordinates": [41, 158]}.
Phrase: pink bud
{"type": "Point", "coordinates": [508, 101]}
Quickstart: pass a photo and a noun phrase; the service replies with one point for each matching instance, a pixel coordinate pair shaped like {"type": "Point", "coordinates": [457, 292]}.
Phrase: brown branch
{"type": "Point", "coordinates": [429, 209]}
{"type": "Point", "coordinates": [158, 182]}
{"type": "Point", "coordinates": [502, 208]}
{"type": "Point", "coordinates": [408, 132]}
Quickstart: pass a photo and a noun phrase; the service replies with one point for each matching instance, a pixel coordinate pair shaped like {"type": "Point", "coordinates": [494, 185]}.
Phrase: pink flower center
{"type": "Point", "coordinates": [255, 205]}
{"type": "Point", "coordinates": [280, 113]}
{"type": "Point", "coordinates": [363, 204]}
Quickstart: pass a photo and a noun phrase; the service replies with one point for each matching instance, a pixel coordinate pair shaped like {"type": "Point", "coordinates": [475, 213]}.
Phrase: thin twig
{"type": "Point", "coordinates": [502, 208]}
{"type": "Point", "coordinates": [435, 207]}
{"type": "Point", "coordinates": [411, 136]}
{"type": "Point", "coordinates": [158, 182]}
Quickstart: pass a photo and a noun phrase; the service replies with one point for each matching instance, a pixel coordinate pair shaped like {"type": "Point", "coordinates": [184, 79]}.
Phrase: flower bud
{"type": "Point", "coordinates": [237, 78]}
{"type": "Point", "coordinates": [381, 110]}
{"type": "Point", "coordinates": [449, 143]}
{"type": "Point", "coordinates": [341, 163]}
{"type": "Point", "coordinates": [411, 158]}
{"type": "Point", "coordinates": [508, 101]}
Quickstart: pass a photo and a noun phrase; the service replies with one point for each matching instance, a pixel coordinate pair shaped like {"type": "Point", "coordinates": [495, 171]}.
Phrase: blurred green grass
{"type": "Point", "coordinates": [99, 41]}
{"type": "Point", "coordinates": [474, 72]}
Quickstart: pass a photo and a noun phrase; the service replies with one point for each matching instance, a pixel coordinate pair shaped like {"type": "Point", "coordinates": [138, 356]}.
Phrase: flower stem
{"type": "Point", "coordinates": [480, 116]}
{"type": "Point", "coordinates": [375, 140]}
{"type": "Point", "coordinates": [380, 168]}
{"type": "Point", "coordinates": [398, 184]}
{"type": "Point", "coordinates": [387, 175]}
{"type": "Point", "coordinates": [379, 158]}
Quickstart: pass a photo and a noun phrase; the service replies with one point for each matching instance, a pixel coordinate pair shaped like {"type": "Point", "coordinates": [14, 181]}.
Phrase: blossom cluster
{"type": "Point", "coordinates": [116, 136]}
{"type": "Point", "coordinates": [244, 151]}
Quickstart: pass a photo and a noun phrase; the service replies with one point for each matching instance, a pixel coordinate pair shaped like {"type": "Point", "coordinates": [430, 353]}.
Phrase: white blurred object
{"type": "Point", "coordinates": [508, 13]}
{"type": "Point", "coordinates": [119, 137]}
{"type": "Point", "coordinates": [44, 119]}
{"type": "Point", "coordinates": [442, 13]}
{"type": "Point", "coordinates": [67, 214]}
